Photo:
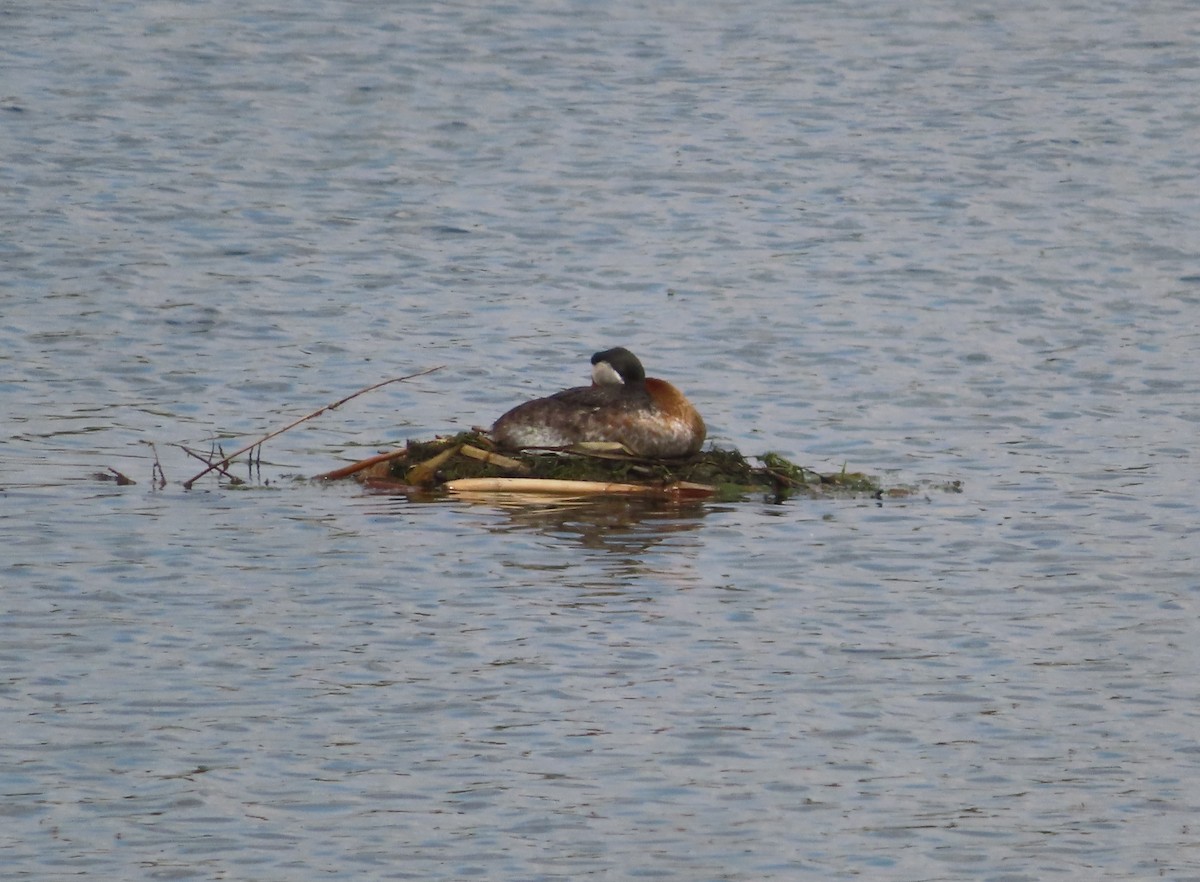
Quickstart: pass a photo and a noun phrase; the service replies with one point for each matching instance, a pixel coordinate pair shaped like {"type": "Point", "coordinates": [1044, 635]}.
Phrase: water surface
{"type": "Point", "coordinates": [931, 243]}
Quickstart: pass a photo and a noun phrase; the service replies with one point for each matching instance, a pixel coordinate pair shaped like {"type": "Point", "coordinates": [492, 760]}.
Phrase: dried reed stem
{"type": "Point", "coordinates": [355, 467]}
{"type": "Point", "coordinates": [187, 485]}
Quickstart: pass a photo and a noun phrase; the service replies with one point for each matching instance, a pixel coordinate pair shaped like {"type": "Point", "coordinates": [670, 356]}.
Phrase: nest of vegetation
{"type": "Point", "coordinates": [470, 463]}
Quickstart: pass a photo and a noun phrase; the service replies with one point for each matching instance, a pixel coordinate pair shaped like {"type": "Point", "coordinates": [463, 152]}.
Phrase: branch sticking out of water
{"type": "Point", "coordinates": [216, 466]}
{"type": "Point", "coordinates": [158, 478]}
{"type": "Point", "coordinates": [221, 464]}
{"type": "Point", "coordinates": [122, 480]}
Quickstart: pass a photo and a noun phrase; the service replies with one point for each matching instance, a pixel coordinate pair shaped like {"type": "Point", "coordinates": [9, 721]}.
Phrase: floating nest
{"type": "Point", "coordinates": [469, 463]}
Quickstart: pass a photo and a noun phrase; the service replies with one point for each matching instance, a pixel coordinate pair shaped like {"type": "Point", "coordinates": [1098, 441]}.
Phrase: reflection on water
{"type": "Point", "coordinates": [615, 523]}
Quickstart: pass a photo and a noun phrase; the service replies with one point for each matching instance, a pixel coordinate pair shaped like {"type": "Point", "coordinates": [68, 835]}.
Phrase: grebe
{"type": "Point", "coordinates": [649, 416]}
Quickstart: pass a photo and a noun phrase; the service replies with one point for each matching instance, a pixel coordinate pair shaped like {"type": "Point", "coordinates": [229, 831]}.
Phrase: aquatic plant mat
{"type": "Point", "coordinates": [469, 463]}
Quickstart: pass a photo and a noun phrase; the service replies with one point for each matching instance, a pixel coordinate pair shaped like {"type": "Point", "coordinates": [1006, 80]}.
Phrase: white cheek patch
{"type": "Point", "coordinates": [604, 375]}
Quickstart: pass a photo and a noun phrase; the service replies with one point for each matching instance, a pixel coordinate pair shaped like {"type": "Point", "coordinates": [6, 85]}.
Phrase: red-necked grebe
{"type": "Point", "coordinates": [649, 416]}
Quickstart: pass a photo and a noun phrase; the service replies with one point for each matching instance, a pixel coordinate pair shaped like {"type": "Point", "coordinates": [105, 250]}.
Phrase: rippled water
{"type": "Point", "coordinates": [926, 241]}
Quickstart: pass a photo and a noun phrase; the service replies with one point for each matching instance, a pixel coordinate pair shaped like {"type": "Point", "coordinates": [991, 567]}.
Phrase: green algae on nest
{"type": "Point", "coordinates": [727, 472]}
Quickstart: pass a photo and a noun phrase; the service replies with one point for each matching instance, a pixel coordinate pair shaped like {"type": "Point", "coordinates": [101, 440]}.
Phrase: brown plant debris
{"type": "Point", "coordinates": [468, 462]}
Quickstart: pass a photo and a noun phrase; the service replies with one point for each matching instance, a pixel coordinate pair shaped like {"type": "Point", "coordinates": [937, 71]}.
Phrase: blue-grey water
{"type": "Point", "coordinates": [934, 241]}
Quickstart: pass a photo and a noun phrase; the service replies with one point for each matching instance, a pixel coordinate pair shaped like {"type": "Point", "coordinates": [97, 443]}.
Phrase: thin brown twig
{"type": "Point", "coordinates": [234, 478]}
{"type": "Point", "coordinates": [187, 485]}
{"type": "Point", "coordinates": [158, 478]}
